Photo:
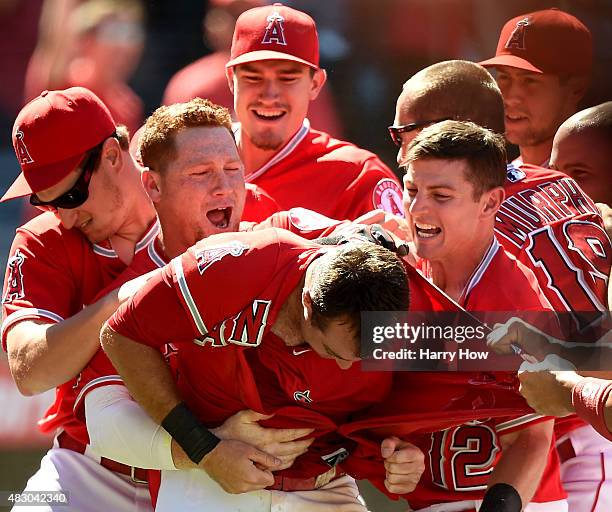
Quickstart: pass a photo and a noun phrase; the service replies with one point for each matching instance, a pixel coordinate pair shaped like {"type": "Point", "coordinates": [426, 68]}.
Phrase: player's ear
{"type": "Point", "coordinates": [492, 201]}
{"type": "Point", "coordinates": [307, 304]}
{"type": "Point", "coordinates": [112, 154]}
{"type": "Point", "coordinates": [319, 77]}
{"type": "Point", "coordinates": [151, 181]}
{"type": "Point", "coordinates": [229, 73]}
{"type": "Point", "coordinates": [578, 86]}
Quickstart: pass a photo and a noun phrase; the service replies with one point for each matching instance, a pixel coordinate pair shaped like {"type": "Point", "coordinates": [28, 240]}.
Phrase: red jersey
{"type": "Point", "coordinates": [258, 204]}
{"type": "Point", "coordinates": [553, 227]}
{"type": "Point", "coordinates": [458, 460]}
{"type": "Point", "coordinates": [483, 292]}
{"type": "Point", "coordinates": [274, 378]}
{"type": "Point", "coordinates": [329, 176]}
{"type": "Point", "coordinates": [52, 272]}
{"type": "Point", "coordinates": [100, 371]}
{"type": "Point", "coordinates": [457, 417]}
{"type": "Point", "coordinates": [216, 301]}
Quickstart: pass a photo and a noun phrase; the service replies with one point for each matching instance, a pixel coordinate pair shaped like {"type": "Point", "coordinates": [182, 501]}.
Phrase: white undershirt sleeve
{"type": "Point", "coordinates": [119, 429]}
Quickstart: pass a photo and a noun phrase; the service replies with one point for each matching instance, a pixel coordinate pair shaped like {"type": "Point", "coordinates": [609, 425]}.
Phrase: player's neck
{"type": "Point", "coordinates": [169, 246]}
{"type": "Point", "coordinates": [138, 219]}
{"type": "Point", "coordinates": [287, 323]}
{"type": "Point", "coordinates": [537, 154]}
{"type": "Point", "coordinates": [453, 274]}
{"type": "Point", "coordinates": [253, 157]}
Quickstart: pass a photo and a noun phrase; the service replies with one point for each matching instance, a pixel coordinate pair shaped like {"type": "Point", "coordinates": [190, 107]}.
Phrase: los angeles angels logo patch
{"type": "Point", "coordinates": [517, 38]}
{"type": "Point", "coordinates": [14, 281]}
{"type": "Point", "coordinates": [275, 32]}
{"type": "Point", "coordinates": [210, 255]}
{"type": "Point", "coordinates": [514, 174]}
{"type": "Point", "coordinates": [21, 149]}
{"type": "Point", "coordinates": [387, 196]}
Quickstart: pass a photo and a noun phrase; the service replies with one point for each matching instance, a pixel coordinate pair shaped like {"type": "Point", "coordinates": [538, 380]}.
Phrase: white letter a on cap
{"type": "Point", "coordinates": [517, 38]}
{"type": "Point", "coordinates": [21, 149]}
{"type": "Point", "coordinates": [275, 33]}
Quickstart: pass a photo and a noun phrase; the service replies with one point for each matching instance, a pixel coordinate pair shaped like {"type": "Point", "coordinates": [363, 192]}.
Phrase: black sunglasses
{"type": "Point", "coordinates": [79, 192]}
{"type": "Point", "coordinates": [396, 131]}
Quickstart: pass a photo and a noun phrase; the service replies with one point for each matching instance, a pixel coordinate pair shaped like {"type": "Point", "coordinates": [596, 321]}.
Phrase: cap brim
{"type": "Point", "coordinates": [512, 61]}
{"type": "Point", "coordinates": [41, 178]}
{"type": "Point", "coordinates": [267, 55]}
{"type": "Point", "coordinates": [19, 188]}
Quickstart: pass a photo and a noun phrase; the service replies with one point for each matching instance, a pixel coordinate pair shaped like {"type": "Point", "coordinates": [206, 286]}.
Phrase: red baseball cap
{"type": "Point", "coordinates": [275, 32]}
{"type": "Point", "coordinates": [52, 133]}
{"type": "Point", "coordinates": [549, 41]}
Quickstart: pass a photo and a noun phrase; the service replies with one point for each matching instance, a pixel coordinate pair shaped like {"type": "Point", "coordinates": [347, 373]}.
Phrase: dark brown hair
{"type": "Point", "coordinates": [483, 151]}
{"type": "Point", "coordinates": [357, 277]}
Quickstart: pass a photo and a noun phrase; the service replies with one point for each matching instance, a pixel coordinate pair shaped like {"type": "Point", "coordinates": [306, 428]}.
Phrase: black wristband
{"type": "Point", "coordinates": [501, 498]}
{"type": "Point", "coordinates": [193, 437]}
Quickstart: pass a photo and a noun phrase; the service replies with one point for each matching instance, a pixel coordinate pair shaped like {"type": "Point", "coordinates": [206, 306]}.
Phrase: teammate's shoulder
{"type": "Point", "coordinates": [46, 227]}
{"type": "Point", "coordinates": [529, 173]}
{"type": "Point", "coordinates": [521, 284]}
{"type": "Point", "coordinates": [338, 150]}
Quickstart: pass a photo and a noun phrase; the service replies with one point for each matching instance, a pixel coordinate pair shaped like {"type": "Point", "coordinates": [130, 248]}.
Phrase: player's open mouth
{"type": "Point", "coordinates": [427, 230]}
{"type": "Point", "coordinates": [220, 217]}
{"type": "Point", "coordinates": [84, 224]}
{"type": "Point", "coordinates": [514, 118]}
{"type": "Point", "coordinates": [269, 115]}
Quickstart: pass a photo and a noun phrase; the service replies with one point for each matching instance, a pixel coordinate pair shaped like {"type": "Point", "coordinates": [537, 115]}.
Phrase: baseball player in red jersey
{"type": "Point", "coordinates": [201, 178]}
{"type": "Point", "coordinates": [543, 62]}
{"type": "Point", "coordinates": [454, 186]}
{"type": "Point", "coordinates": [274, 73]}
{"type": "Point", "coordinates": [88, 181]}
{"type": "Point", "coordinates": [103, 197]}
{"type": "Point", "coordinates": [271, 304]}
{"type": "Point", "coordinates": [545, 220]}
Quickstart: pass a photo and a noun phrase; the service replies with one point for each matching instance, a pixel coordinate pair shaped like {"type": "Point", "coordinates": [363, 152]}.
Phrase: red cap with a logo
{"type": "Point", "coordinates": [275, 32]}
{"type": "Point", "coordinates": [52, 133]}
{"type": "Point", "coordinates": [549, 41]}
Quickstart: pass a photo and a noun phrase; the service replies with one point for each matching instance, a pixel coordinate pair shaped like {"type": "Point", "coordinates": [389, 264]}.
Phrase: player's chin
{"type": "Point", "coordinates": [96, 236]}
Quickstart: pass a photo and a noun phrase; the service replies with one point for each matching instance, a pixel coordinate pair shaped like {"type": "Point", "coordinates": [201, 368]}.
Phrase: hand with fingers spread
{"type": "Point", "coordinates": [285, 444]}
{"type": "Point", "coordinates": [404, 464]}
{"type": "Point", "coordinates": [237, 467]}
